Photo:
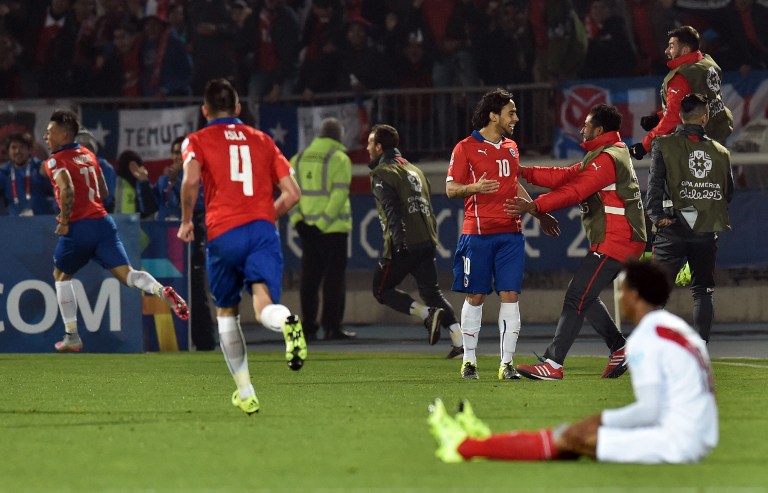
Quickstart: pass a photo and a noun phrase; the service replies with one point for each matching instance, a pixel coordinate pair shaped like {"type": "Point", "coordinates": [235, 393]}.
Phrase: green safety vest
{"type": "Point", "coordinates": [705, 78]}
{"type": "Point", "coordinates": [324, 173]}
{"type": "Point", "coordinates": [593, 210]}
{"type": "Point", "coordinates": [697, 179]}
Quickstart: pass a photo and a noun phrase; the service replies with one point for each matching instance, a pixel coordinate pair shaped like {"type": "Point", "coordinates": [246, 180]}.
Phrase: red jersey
{"type": "Point", "coordinates": [84, 170]}
{"type": "Point", "coordinates": [240, 167]}
{"type": "Point", "coordinates": [473, 156]}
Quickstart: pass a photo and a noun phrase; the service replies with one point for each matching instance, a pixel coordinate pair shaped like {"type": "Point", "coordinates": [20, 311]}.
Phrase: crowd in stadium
{"type": "Point", "coordinates": [273, 49]}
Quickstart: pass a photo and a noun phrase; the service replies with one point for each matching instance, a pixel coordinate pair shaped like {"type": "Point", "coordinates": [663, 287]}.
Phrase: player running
{"type": "Point", "coordinates": [86, 232]}
{"type": "Point", "coordinates": [239, 167]}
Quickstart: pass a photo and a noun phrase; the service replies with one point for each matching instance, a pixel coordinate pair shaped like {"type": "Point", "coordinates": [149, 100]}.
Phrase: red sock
{"type": "Point", "coordinates": [521, 445]}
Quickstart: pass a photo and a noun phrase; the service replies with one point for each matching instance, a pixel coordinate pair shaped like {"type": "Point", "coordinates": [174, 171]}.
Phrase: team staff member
{"type": "Point", "coordinates": [240, 167]}
{"type": "Point", "coordinates": [404, 202]}
{"type": "Point", "coordinates": [323, 219]}
{"type": "Point", "coordinates": [86, 232]}
{"type": "Point", "coordinates": [606, 187]}
{"type": "Point", "coordinates": [673, 419]}
{"type": "Point", "coordinates": [690, 71]}
{"type": "Point", "coordinates": [490, 254]}
{"type": "Point", "coordinates": [689, 188]}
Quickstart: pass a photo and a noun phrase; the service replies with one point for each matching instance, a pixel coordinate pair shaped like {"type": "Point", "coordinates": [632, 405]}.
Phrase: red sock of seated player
{"type": "Point", "coordinates": [522, 445]}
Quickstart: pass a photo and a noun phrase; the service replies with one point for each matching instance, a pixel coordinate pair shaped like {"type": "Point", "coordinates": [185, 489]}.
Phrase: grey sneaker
{"type": "Point", "coordinates": [469, 371]}
{"type": "Point", "coordinates": [70, 343]}
{"type": "Point", "coordinates": [508, 372]}
{"type": "Point", "coordinates": [432, 323]}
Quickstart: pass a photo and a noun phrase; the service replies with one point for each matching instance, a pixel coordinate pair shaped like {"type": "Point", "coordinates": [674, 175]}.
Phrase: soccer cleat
{"type": "Point", "coordinates": [508, 372]}
{"type": "Point", "coordinates": [469, 371]}
{"type": "Point", "coordinates": [617, 364]}
{"type": "Point", "coordinates": [176, 302]}
{"type": "Point", "coordinates": [455, 351]}
{"type": "Point", "coordinates": [249, 405]}
{"type": "Point", "coordinates": [295, 344]}
{"type": "Point", "coordinates": [447, 432]}
{"type": "Point", "coordinates": [471, 424]}
{"type": "Point", "coordinates": [70, 343]}
{"type": "Point", "coordinates": [432, 323]}
{"type": "Point", "coordinates": [541, 371]}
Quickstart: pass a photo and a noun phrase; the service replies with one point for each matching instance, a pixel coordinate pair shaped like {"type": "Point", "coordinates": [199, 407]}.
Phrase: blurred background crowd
{"type": "Point", "coordinates": [278, 49]}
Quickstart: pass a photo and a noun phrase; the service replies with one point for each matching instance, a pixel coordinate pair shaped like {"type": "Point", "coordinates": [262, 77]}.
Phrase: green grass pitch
{"type": "Point", "coordinates": [344, 423]}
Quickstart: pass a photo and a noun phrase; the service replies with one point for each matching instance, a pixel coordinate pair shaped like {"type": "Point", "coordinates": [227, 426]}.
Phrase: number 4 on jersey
{"type": "Point", "coordinates": [240, 167]}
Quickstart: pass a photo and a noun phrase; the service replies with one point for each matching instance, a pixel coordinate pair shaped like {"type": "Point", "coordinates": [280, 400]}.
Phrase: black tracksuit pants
{"type": "Point", "coordinates": [323, 263]}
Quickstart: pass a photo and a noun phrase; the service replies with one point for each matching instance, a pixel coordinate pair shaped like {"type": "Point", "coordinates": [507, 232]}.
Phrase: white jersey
{"type": "Point", "coordinates": [663, 351]}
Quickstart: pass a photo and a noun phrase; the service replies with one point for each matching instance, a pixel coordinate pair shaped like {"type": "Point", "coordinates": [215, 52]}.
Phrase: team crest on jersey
{"type": "Point", "coordinates": [512, 151]}
{"type": "Point", "coordinates": [51, 163]}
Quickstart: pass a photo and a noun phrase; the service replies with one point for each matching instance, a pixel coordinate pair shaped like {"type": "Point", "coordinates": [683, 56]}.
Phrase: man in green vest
{"type": "Point", "coordinates": [404, 203]}
{"type": "Point", "coordinates": [690, 71]}
{"type": "Point", "coordinates": [689, 188]}
{"type": "Point", "coordinates": [323, 219]}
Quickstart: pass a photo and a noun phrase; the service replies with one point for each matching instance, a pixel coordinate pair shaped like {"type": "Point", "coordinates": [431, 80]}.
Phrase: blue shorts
{"type": "Point", "coordinates": [242, 256]}
{"type": "Point", "coordinates": [486, 262]}
{"type": "Point", "coordinates": [88, 239]}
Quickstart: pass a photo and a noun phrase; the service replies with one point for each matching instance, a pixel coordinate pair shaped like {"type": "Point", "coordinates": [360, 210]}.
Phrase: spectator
{"type": "Point", "coordinates": [24, 187]}
{"type": "Point", "coordinates": [362, 66]}
{"type": "Point", "coordinates": [751, 18]}
{"type": "Point", "coordinates": [561, 40]}
{"type": "Point", "coordinates": [11, 86]}
{"type": "Point", "coordinates": [610, 52]}
{"type": "Point", "coordinates": [118, 71]}
{"type": "Point", "coordinates": [507, 25]}
{"type": "Point", "coordinates": [166, 67]}
{"type": "Point", "coordinates": [212, 39]}
{"type": "Point", "coordinates": [274, 71]}
{"type": "Point", "coordinates": [113, 13]}
{"type": "Point", "coordinates": [51, 55]}
{"type": "Point", "coordinates": [177, 19]}
{"type": "Point", "coordinates": [81, 39]}
{"type": "Point", "coordinates": [323, 219]}
{"type": "Point", "coordinates": [320, 41]}
{"type": "Point", "coordinates": [651, 21]}
{"type": "Point", "coordinates": [86, 139]}
{"type": "Point", "coordinates": [133, 192]}
{"type": "Point", "coordinates": [414, 70]}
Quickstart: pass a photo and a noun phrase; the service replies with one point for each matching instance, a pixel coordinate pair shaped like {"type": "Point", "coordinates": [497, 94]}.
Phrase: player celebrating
{"type": "Point", "coordinates": [239, 167]}
{"type": "Point", "coordinates": [491, 250]}
{"type": "Point", "coordinates": [673, 420]}
{"type": "Point", "coordinates": [85, 229]}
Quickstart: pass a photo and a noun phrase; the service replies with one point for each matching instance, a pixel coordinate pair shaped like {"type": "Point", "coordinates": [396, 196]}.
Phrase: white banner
{"type": "Point", "coordinates": [150, 132]}
{"type": "Point", "coordinates": [349, 116]}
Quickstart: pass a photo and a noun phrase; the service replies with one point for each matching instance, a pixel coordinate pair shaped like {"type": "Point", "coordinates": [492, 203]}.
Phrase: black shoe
{"type": "Point", "coordinates": [455, 351]}
{"type": "Point", "coordinates": [340, 335]}
{"type": "Point", "coordinates": [432, 323]}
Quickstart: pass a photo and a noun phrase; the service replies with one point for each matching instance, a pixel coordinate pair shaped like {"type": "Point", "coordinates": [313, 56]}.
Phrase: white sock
{"type": "Point", "coordinates": [419, 310]}
{"type": "Point", "coordinates": [143, 280]}
{"type": "Point", "coordinates": [273, 317]}
{"type": "Point", "coordinates": [456, 338]}
{"type": "Point", "coordinates": [471, 321]}
{"type": "Point", "coordinates": [235, 353]}
{"type": "Point", "coordinates": [509, 330]}
{"type": "Point", "coordinates": [65, 295]}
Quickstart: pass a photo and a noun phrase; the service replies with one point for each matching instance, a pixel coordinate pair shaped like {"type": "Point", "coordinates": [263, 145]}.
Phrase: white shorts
{"type": "Point", "coordinates": [647, 446]}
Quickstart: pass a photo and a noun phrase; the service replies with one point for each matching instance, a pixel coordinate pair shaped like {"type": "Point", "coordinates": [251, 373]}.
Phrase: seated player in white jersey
{"type": "Point", "coordinates": [673, 420]}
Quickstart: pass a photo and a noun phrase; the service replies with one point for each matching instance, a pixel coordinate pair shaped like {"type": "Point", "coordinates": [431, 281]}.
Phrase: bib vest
{"type": "Point", "coordinates": [697, 177]}
{"type": "Point", "coordinates": [704, 77]}
{"type": "Point", "coordinates": [593, 210]}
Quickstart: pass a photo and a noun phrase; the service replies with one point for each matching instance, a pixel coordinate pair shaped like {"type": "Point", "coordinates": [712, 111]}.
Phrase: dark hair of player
{"type": "Point", "coordinates": [220, 97]}
{"type": "Point", "coordinates": [686, 35]}
{"type": "Point", "coordinates": [651, 280]}
{"type": "Point", "coordinates": [491, 102]}
{"type": "Point", "coordinates": [67, 120]}
{"type": "Point", "coordinates": [606, 116]}
{"type": "Point", "coordinates": [386, 135]}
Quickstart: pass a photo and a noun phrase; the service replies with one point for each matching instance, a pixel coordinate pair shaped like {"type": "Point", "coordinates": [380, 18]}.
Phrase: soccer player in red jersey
{"type": "Point", "coordinates": [86, 232]}
{"type": "Point", "coordinates": [491, 250]}
{"type": "Point", "coordinates": [240, 168]}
